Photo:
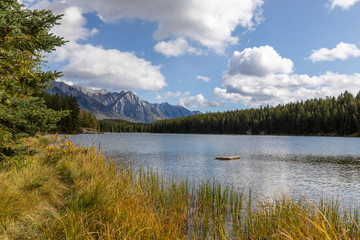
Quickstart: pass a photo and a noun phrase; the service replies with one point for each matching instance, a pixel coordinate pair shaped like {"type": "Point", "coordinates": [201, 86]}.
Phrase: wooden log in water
{"type": "Point", "coordinates": [228, 158]}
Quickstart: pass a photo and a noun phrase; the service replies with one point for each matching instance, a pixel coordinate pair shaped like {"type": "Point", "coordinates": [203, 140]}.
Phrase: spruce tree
{"type": "Point", "coordinates": [24, 38]}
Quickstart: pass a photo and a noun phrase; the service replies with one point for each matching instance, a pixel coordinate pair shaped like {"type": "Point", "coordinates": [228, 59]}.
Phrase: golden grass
{"type": "Point", "coordinates": [68, 192]}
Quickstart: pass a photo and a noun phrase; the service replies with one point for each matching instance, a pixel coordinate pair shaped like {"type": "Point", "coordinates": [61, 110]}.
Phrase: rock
{"type": "Point", "coordinates": [119, 105]}
{"type": "Point", "coordinates": [89, 131]}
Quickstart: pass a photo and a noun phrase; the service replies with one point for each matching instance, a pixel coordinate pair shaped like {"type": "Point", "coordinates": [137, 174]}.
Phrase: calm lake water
{"type": "Point", "coordinates": [269, 165]}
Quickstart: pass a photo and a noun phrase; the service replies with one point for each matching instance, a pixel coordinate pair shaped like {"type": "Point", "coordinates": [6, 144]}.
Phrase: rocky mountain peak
{"type": "Point", "coordinates": [130, 96]}
{"type": "Point", "coordinates": [118, 105]}
{"type": "Point", "coordinates": [90, 91]}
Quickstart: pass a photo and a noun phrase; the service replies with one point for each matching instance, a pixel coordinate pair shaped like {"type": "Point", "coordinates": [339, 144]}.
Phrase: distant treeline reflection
{"type": "Point", "coordinates": [329, 116]}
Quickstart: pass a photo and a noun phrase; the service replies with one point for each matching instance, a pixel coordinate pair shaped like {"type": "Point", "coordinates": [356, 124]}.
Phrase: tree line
{"type": "Point", "coordinates": [122, 126]}
{"type": "Point", "coordinates": [330, 116]}
{"type": "Point", "coordinates": [25, 38]}
{"type": "Point", "coordinates": [75, 118]}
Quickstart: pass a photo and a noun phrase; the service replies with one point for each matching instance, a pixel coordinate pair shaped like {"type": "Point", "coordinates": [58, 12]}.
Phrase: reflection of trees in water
{"type": "Point", "coordinates": [343, 163]}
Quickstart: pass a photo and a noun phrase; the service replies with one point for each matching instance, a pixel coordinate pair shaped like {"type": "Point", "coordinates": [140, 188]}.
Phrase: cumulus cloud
{"type": "Point", "coordinates": [72, 25]}
{"type": "Point", "coordinates": [185, 100]}
{"type": "Point", "coordinates": [197, 101]}
{"type": "Point", "coordinates": [344, 4]}
{"type": "Point", "coordinates": [260, 61]}
{"type": "Point", "coordinates": [282, 89]}
{"type": "Point", "coordinates": [95, 66]}
{"type": "Point", "coordinates": [342, 51]}
{"type": "Point", "coordinates": [169, 94]}
{"type": "Point", "coordinates": [109, 68]}
{"type": "Point", "coordinates": [210, 23]}
{"type": "Point", "coordinates": [204, 79]}
{"type": "Point", "coordinates": [174, 48]}
{"type": "Point", "coordinates": [279, 87]}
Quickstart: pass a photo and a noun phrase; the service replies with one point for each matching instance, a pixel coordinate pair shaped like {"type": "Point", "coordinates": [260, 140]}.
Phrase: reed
{"type": "Point", "coordinates": [70, 192]}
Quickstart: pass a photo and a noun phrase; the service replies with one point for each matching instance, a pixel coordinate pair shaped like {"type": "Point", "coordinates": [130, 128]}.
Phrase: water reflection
{"type": "Point", "coordinates": [269, 165]}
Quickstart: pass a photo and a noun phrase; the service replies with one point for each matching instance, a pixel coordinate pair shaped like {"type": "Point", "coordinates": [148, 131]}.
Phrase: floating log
{"type": "Point", "coordinates": [228, 158]}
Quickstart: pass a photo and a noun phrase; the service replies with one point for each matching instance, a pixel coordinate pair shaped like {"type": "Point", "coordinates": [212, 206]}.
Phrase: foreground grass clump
{"type": "Point", "coordinates": [68, 192]}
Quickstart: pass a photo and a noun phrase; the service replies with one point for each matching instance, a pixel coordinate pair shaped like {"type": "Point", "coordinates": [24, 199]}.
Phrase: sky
{"type": "Point", "coordinates": [214, 55]}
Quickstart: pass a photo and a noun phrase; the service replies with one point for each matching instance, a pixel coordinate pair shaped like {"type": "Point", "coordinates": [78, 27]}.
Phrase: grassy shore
{"type": "Point", "coordinates": [68, 192]}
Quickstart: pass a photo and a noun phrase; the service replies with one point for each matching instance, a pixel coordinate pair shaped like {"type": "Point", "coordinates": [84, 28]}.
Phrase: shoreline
{"type": "Point", "coordinates": [65, 191]}
{"type": "Point", "coordinates": [228, 134]}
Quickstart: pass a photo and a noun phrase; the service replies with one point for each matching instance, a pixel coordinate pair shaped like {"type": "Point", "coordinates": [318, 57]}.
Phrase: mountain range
{"type": "Point", "coordinates": [119, 105]}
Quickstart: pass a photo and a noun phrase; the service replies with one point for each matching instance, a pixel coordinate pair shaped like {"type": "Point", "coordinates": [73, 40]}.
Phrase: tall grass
{"type": "Point", "coordinates": [68, 192]}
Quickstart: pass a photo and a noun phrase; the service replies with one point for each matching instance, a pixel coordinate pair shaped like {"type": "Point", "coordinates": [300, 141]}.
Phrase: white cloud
{"type": "Point", "coordinates": [274, 88]}
{"type": "Point", "coordinates": [197, 101]}
{"type": "Point", "coordinates": [185, 100]}
{"type": "Point", "coordinates": [204, 79]}
{"type": "Point", "coordinates": [210, 23]}
{"type": "Point", "coordinates": [95, 66]}
{"type": "Point", "coordinates": [344, 4]}
{"type": "Point", "coordinates": [174, 48]}
{"type": "Point", "coordinates": [282, 89]}
{"type": "Point", "coordinates": [72, 25]}
{"type": "Point", "coordinates": [163, 97]}
{"type": "Point", "coordinates": [233, 97]}
{"type": "Point", "coordinates": [342, 51]}
{"type": "Point", "coordinates": [260, 61]}
{"type": "Point", "coordinates": [109, 68]}
{"type": "Point", "coordinates": [70, 83]}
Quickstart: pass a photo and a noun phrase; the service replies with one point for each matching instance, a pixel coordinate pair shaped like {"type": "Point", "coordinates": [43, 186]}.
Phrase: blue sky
{"type": "Point", "coordinates": [214, 55]}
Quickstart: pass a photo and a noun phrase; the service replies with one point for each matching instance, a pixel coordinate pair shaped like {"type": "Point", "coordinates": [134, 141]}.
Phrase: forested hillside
{"type": "Point", "coordinates": [329, 116]}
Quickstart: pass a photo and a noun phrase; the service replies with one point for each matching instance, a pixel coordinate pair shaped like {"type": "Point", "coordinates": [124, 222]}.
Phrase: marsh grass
{"type": "Point", "coordinates": [69, 192]}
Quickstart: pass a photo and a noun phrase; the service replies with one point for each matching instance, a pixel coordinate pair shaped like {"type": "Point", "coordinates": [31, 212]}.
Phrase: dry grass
{"type": "Point", "coordinates": [68, 192]}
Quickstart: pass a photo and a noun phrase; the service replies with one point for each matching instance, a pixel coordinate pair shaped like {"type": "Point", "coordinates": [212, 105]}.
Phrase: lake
{"type": "Point", "coordinates": [269, 165]}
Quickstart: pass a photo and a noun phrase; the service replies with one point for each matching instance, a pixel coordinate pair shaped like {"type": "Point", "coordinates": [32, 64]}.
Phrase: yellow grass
{"type": "Point", "coordinates": [69, 192]}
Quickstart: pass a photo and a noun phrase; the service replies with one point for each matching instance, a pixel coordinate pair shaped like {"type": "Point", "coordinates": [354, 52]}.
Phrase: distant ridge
{"type": "Point", "coordinates": [119, 105]}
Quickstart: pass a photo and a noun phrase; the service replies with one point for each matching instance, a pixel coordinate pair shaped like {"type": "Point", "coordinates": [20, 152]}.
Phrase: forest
{"type": "Point", "coordinates": [75, 118]}
{"type": "Point", "coordinates": [330, 116]}
{"type": "Point", "coordinates": [115, 125]}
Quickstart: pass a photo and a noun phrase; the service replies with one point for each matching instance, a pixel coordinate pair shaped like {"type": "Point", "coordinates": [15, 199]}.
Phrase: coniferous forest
{"type": "Point", "coordinates": [330, 116]}
{"type": "Point", "coordinates": [75, 118]}
{"type": "Point", "coordinates": [52, 189]}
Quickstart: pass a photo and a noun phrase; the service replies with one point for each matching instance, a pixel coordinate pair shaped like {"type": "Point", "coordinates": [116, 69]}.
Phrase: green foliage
{"type": "Point", "coordinates": [24, 36]}
{"type": "Point", "coordinates": [122, 126]}
{"type": "Point", "coordinates": [70, 123]}
{"type": "Point", "coordinates": [88, 120]}
{"type": "Point", "coordinates": [76, 119]}
{"type": "Point", "coordinates": [329, 116]}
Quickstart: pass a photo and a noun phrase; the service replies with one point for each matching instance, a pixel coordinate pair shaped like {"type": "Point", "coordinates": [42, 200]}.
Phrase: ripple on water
{"type": "Point", "coordinates": [269, 165]}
